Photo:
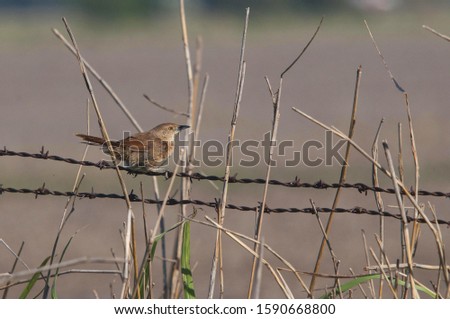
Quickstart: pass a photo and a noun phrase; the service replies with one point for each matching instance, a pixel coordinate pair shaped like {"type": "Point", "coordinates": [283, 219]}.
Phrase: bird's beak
{"type": "Point", "coordinates": [182, 127]}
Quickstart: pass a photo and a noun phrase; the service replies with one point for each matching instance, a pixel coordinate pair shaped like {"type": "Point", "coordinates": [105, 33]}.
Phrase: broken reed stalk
{"type": "Point", "coordinates": [217, 256]}
{"type": "Point", "coordinates": [273, 137]}
{"type": "Point", "coordinates": [113, 158]}
{"type": "Point", "coordinates": [342, 177]}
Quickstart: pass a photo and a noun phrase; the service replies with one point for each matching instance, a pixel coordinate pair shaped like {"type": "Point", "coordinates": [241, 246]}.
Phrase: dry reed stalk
{"type": "Point", "coordinates": [443, 36]}
{"type": "Point", "coordinates": [166, 198]}
{"type": "Point", "coordinates": [385, 257]}
{"type": "Point", "coordinates": [442, 256]}
{"type": "Point", "coordinates": [66, 214]}
{"type": "Point", "coordinates": [113, 158]}
{"type": "Point", "coordinates": [185, 183]}
{"type": "Point", "coordinates": [396, 83]}
{"type": "Point", "coordinates": [401, 170]}
{"type": "Point", "coordinates": [334, 259]}
{"type": "Point", "coordinates": [401, 178]}
{"type": "Point", "coordinates": [102, 81]}
{"type": "Point", "coordinates": [388, 279]}
{"type": "Point", "coordinates": [405, 230]}
{"type": "Point", "coordinates": [146, 236]}
{"type": "Point", "coordinates": [276, 98]}
{"type": "Point", "coordinates": [252, 240]}
{"type": "Point", "coordinates": [404, 189]}
{"type": "Point", "coordinates": [405, 265]}
{"type": "Point", "coordinates": [230, 234]}
{"type": "Point", "coordinates": [128, 114]}
{"type": "Point", "coordinates": [379, 201]}
{"type": "Point", "coordinates": [13, 268]}
{"type": "Point", "coordinates": [342, 177]}
{"type": "Point", "coordinates": [258, 279]}
{"type": "Point", "coordinates": [148, 98]}
{"type": "Point", "coordinates": [217, 256]}
{"type": "Point", "coordinates": [416, 225]}
{"type": "Point", "coordinates": [366, 255]}
{"type": "Point", "coordinates": [7, 277]}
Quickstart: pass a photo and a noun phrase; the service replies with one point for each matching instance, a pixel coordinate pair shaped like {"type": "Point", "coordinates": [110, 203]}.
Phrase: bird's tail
{"type": "Point", "coordinates": [91, 139]}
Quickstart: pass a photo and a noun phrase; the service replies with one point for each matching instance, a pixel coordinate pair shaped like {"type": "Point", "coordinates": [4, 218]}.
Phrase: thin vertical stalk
{"type": "Point", "coordinates": [273, 137]}
{"type": "Point", "coordinates": [342, 177]}
{"type": "Point", "coordinates": [404, 219]}
{"type": "Point", "coordinates": [217, 257]}
{"type": "Point", "coordinates": [379, 202]}
{"type": "Point", "coordinates": [113, 158]}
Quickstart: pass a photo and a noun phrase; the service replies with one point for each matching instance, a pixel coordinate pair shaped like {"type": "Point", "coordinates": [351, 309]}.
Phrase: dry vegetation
{"type": "Point", "coordinates": [153, 267]}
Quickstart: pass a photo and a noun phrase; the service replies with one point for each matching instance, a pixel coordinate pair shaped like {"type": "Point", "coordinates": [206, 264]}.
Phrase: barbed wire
{"type": "Point", "coordinates": [296, 183]}
{"type": "Point", "coordinates": [42, 191]}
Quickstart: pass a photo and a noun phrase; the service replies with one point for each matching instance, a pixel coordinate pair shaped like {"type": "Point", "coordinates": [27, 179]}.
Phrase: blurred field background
{"type": "Point", "coordinates": [136, 46]}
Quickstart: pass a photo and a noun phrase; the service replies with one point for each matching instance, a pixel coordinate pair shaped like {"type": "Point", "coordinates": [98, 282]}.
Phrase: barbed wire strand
{"type": "Point", "coordinates": [296, 183]}
{"type": "Point", "coordinates": [171, 202]}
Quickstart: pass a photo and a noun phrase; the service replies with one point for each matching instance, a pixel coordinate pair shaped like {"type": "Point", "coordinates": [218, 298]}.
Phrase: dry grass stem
{"type": "Point", "coordinates": [113, 158]}
{"type": "Point", "coordinates": [217, 260]}
{"type": "Point", "coordinates": [405, 229]}
{"type": "Point", "coordinates": [366, 255]}
{"type": "Point", "coordinates": [334, 259]}
{"type": "Point", "coordinates": [443, 36]}
{"type": "Point", "coordinates": [386, 277]}
{"type": "Point", "coordinates": [230, 234]}
{"type": "Point", "coordinates": [343, 174]}
{"type": "Point", "coordinates": [258, 279]}
{"type": "Point", "coordinates": [404, 189]}
{"type": "Point", "coordinates": [7, 277]}
{"type": "Point", "coordinates": [105, 84]}
{"type": "Point", "coordinates": [276, 102]}
{"type": "Point", "coordinates": [165, 108]}
{"type": "Point", "coordinates": [397, 85]}
{"type": "Point", "coordinates": [378, 201]}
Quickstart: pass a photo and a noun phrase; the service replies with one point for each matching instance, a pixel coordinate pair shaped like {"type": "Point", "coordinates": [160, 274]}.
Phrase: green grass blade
{"type": "Point", "coordinates": [188, 282]}
{"type": "Point", "coordinates": [146, 270]}
{"type": "Point", "coordinates": [53, 290]}
{"type": "Point", "coordinates": [359, 280]}
{"type": "Point", "coordinates": [159, 236]}
{"type": "Point", "coordinates": [351, 284]}
{"type": "Point", "coordinates": [33, 280]}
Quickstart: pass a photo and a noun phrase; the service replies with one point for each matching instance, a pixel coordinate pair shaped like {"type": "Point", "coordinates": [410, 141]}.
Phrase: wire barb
{"type": "Point", "coordinates": [295, 183]}
{"type": "Point", "coordinates": [173, 202]}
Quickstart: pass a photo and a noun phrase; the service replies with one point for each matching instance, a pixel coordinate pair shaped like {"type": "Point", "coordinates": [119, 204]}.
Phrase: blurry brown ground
{"type": "Point", "coordinates": [42, 102]}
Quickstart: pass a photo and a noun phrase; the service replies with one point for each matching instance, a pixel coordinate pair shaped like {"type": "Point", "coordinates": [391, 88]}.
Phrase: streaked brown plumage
{"type": "Point", "coordinates": [147, 151]}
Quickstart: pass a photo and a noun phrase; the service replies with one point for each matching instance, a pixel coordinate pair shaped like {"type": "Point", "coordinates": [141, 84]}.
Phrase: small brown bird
{"type": "Point", "coordinates": [146, 151]}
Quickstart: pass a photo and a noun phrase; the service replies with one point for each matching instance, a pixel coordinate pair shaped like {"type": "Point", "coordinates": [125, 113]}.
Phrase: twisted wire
{"type": "Point", "coordinates": [42, 191]}
{"type": "Point", "coordinates": [295, 183]}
